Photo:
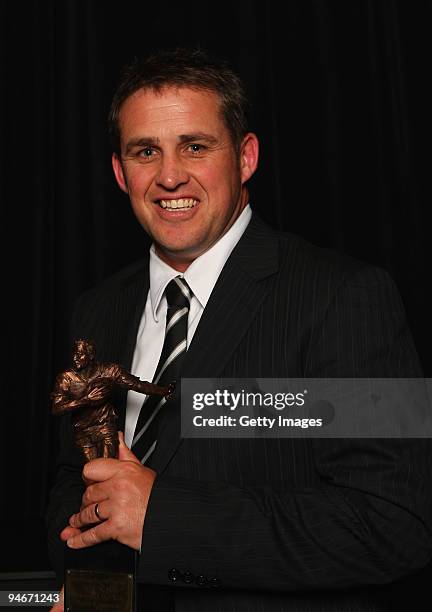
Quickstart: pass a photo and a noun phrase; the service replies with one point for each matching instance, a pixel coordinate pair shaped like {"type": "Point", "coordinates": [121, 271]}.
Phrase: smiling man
{"type": "Point", "coordinates": [183, 173]}
{"type": "Point", "coordinates": [293, 524]}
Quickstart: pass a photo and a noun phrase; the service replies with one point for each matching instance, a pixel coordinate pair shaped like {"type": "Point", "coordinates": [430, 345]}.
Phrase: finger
{"type": "Point", "coordinates": [87, 481]}
{"type": "Point", "coordinates": [98, 470]}
{"type": "Point", "coordinates": [125, 454]}
{"type": "Point", "coordinates": [90, 537]}
{"type": "Point", "coordinates": [59, 606]}
{"type": "Point", "coordinates": [88, 516]}
{"type": "Point", "coordinates": [68, 532]}
{"type": "Point", "coordinates": [93, 494]}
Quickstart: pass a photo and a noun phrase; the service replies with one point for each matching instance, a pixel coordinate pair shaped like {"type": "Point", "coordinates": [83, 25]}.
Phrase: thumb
{"type": "Point", "coordinates": [125, 454]}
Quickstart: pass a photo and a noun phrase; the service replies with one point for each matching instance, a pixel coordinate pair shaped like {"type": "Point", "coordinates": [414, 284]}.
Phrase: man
{"type": "Point", "coordinates": [246, 524]}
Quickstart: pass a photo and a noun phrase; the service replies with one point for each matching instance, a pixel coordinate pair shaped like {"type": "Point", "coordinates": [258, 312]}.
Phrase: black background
{"type": "Point", "coordinates": [340, 101]}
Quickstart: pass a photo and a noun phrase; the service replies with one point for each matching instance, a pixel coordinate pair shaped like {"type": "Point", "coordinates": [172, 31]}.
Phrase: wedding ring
{"type": "Point", "coordinates": [96, 511]}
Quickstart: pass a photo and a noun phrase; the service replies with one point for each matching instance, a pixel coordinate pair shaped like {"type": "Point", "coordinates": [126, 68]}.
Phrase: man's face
{"type": "Point", "coordinates": [181, 171]}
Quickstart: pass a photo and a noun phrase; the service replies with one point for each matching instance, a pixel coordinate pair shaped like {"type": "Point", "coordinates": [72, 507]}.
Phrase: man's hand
{"type": "Point", "coordinates": [121, 489]}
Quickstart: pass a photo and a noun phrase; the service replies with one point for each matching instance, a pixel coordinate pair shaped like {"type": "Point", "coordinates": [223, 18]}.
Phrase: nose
{"type": "Point", "coordinates": [172, 173]}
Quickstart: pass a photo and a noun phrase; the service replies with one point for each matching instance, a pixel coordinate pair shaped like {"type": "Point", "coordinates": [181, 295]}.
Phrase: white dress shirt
{"type": "Point", "coordinates": [201, 276]}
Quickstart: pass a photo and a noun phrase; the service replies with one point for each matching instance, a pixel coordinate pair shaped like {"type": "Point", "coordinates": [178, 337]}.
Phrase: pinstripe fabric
{"type": "Point", "coordinates": [178, 298]}
{"type": "Point", "coordinates": [283, 524]}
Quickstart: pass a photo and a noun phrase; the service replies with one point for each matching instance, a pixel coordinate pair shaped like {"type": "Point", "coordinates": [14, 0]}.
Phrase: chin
{"type": "Point", "coordinates": [179, 252]}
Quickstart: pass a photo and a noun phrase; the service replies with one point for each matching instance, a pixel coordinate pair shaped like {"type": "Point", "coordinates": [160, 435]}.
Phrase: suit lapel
{"type": "Point", "coordinates": [133, 300]}
{"type": "Point", "coordinates": [241, 288]}
{"type": "Point", "coordinates": [127, 312]}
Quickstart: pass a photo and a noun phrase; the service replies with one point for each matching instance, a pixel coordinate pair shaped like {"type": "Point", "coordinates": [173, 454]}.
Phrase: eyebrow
{"type": "Point", "coordinates": [183, 138]}
{"type": "Point", "coordinates": [198, 136]}
{"type": "Point", "coordinates": [141, 142]}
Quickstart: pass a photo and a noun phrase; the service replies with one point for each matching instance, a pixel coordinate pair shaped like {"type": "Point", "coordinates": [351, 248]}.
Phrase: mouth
{"type": "Point", "coordinates": [177, 204]}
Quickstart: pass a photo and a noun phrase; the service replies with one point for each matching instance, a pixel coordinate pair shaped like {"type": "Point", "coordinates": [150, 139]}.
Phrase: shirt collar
{"type": "Point", "coordinates": [202, 274]}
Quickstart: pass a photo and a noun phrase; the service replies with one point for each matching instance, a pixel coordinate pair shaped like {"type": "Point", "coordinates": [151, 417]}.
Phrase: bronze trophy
{"type": "Point", "coordinates": [100, 577]}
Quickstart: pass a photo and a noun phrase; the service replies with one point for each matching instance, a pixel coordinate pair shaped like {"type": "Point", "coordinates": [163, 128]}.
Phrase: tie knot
{"type": "Point", "coordinates": [177, 293]}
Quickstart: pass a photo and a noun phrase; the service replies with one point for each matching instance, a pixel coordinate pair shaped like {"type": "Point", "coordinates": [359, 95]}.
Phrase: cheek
{"type": "Point", "coordinates": [224, 191]}
{"type": "Point", "coordinates": [217, 182]}
{"type": "Point", "coordinates": [143, 212]}
{"type": "Point", "coordinates": [139, 180]}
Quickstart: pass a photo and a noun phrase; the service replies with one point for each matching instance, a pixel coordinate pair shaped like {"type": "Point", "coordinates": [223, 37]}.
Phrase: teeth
{"type": "Point", "coordinates": [182, 203]}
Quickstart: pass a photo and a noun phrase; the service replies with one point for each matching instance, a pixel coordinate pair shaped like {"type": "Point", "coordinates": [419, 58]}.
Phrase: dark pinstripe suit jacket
{"type": "Point", "coordinates": [280, 524]}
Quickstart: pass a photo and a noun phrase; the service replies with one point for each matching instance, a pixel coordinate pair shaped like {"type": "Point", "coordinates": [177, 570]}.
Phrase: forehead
{"type": "Point", "coordinates": [170, 109]}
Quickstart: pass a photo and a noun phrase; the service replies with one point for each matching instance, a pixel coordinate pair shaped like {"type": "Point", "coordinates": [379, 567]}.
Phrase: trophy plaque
{"type": "Point", "coordinates": [100, 577]}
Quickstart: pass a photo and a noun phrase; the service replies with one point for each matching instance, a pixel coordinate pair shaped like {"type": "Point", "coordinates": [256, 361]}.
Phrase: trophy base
{"type": "Point", "coordinates": [98, 591]}
{"type": "Point", "coordinates": [100, 578]}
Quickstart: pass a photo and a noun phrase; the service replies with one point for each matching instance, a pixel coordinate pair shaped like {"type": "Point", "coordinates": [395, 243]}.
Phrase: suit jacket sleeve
{"type": "Point", "coordinates": [368, 518]}
{"type": "Point", "coordinates": [65, 496]}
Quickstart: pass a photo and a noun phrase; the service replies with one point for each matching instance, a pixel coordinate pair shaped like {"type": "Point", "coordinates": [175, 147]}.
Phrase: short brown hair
{"type": "Point", "coordinates": [184, 68]}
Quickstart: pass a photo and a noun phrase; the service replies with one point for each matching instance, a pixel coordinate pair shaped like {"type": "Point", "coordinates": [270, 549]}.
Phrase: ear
{"type": "Point", "coordinates": [248, 156]}
{"type": "Point", "coordinates": [119, 173]}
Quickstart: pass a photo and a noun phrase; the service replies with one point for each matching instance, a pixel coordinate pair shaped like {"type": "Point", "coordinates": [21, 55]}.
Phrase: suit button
{"type": "Point", "coordinates": [174, 575]}
{"type": "Point", "coordinates": [201, 580]}
{"type": "Point", "coordinates": [214, 582]}
{"type": "Point", "coordinates": [188, 577]}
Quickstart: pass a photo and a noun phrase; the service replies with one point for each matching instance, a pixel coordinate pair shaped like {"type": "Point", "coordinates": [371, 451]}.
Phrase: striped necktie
{"type": "Point", "coordinates": [178, 297]}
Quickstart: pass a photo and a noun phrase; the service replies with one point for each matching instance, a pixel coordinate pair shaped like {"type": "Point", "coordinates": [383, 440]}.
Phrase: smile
{"type": "Point", "coordinates": [181, 203]}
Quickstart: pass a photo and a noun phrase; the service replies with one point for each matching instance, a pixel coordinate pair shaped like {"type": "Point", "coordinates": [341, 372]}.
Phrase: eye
{"type": "Point", "coordinates": [196, 148]}
{"type": "Point", "coordinates": [146, 152]}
